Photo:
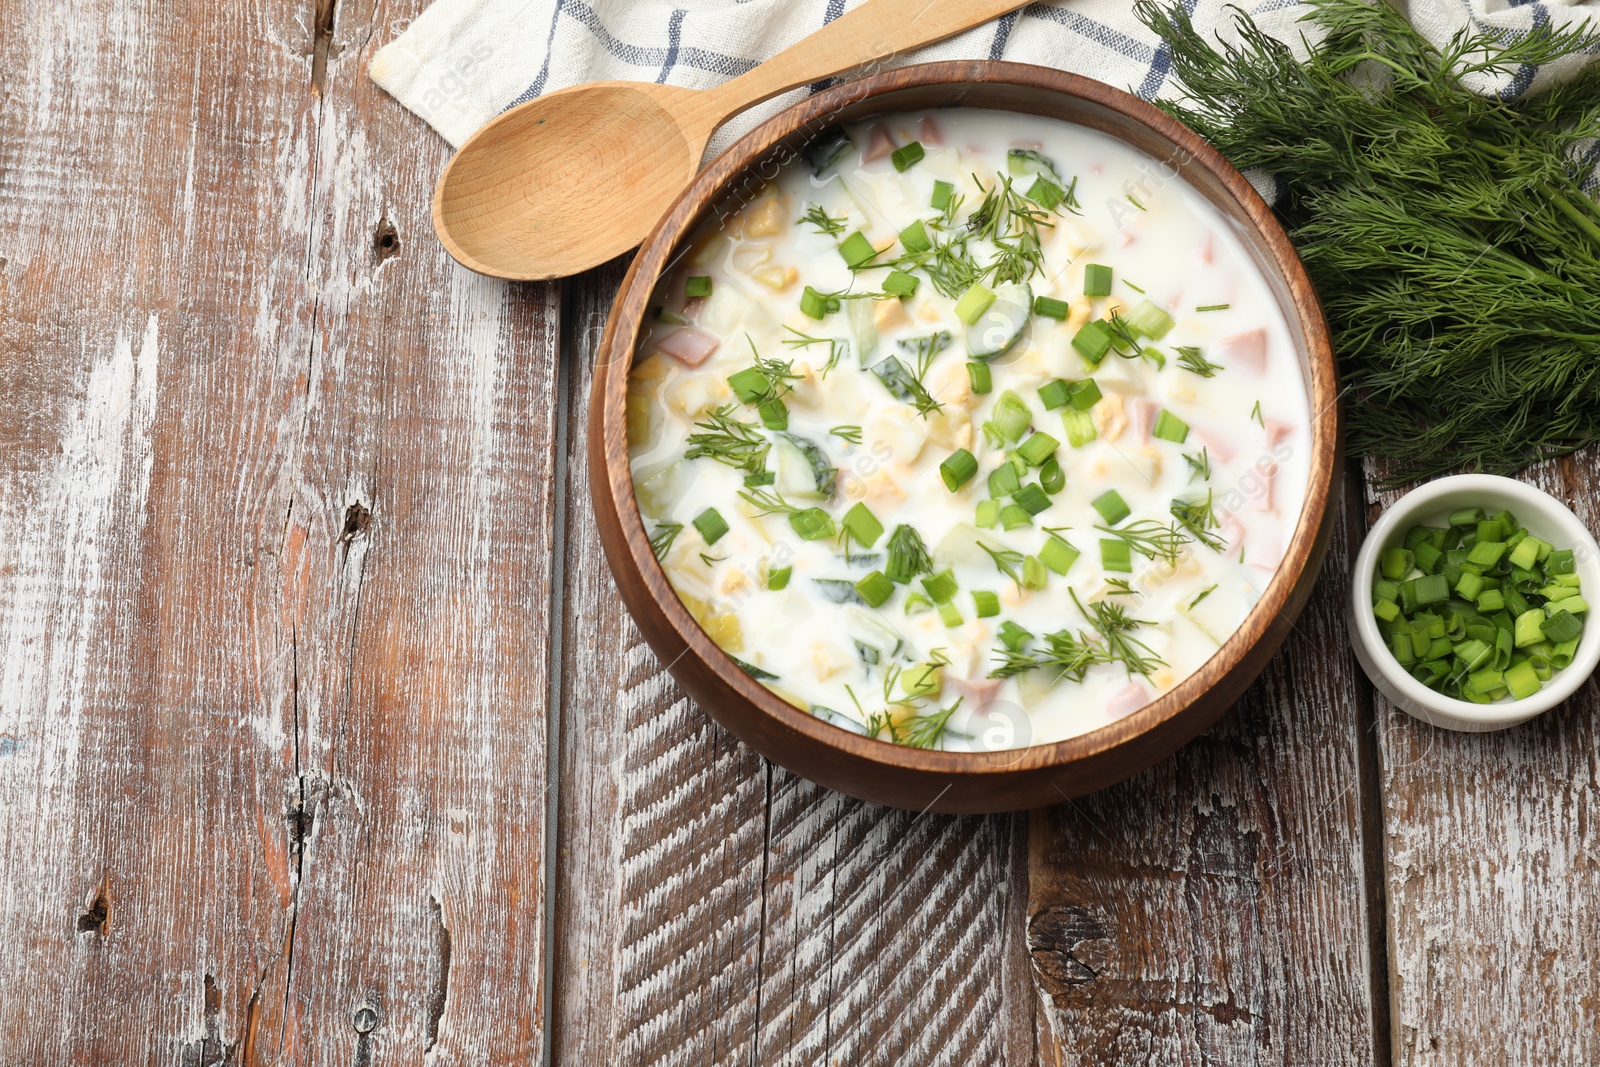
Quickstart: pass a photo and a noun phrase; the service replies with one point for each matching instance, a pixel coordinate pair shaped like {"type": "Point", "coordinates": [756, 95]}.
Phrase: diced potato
{"type": "Point", "coordinates": [922, 680]}
{"type": "Point", "coordinates": [696, 394]}
{"type": "Point", "coordinates": [828, 658]}
{"type": "Point", "coordinates": [709, 249]}
{"type": "Point", "coordinates": [1114, 306]}
{"type": "Point", "coordinates": [950, 428]}
{"type": "Point", "coordinates": [765, 216]}
{"type": "Point", "coordinates": [961, 547]}
{"type": "Point", "coordinates": [1078, 313]}
{"type": "Point", "coordinates": [951, 385]}
{"type": "Point", "coordinates": [903, 432]}
{"type": "Point", "coordinates": [775, 277]}
{"type": "Point", "coordinates": [722, 628]}
{"type": "Point", "coordinates": [888, 314]}
{"type": "Point", "coordinates": [735, 580]}
{"type": "Point", "coordinates": [748, 257]}
{"type": "Point", "coordinates": [1110, 417]}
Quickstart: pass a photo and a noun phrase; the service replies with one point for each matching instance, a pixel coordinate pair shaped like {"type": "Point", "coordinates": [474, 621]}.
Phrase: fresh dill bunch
{"type": "Point", "coordinates": [729, 441]}
{"type": "Point", "coordinates": [1447, 232]}
{"type": "Point", "coordinates": [1066, 655]}
{"type": "Point", "coordinates": [949, 266]}
{"type": "Point", "coordinates": [907, 555]}
{"type": "Point", "coordinates": [1199, 517]}
{"type": "Point", "coordinates": [661, 541]}
{"type": "Point", "coordinates": [1194, 361]}
{"type": "Point", "coordinates": [1151, 539]}
{"type": "Point", "coordinates": [1115, 628]}
{"type": "Point", "coordinates": [817, 215]}
{"type": "Point", "coordinates": [1011, 222]}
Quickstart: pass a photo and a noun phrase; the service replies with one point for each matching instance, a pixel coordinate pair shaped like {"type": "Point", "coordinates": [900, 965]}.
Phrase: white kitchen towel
{"type": "Point", "coordinates": [462, 62]}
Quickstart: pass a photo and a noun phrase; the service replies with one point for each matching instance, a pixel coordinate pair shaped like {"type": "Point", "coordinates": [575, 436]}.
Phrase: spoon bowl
{"type": "Point", "coordinates": [565, 182]}
{"type": "Point", "coordinates": [539, 193]}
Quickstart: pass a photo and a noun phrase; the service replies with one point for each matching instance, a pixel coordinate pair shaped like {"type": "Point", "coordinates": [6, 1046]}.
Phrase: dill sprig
{"type": "Point", "coordinates": [831, 225]}
{"type": "Point", "coordinates": [1199, 517]}
{"type": "Point", "coordinates": [907, 555]}
{"type": "Point", "coordinates": [730, 441]}
{"type": "Point", "coordinates": [1199, 464]}
{"type": "Point", "coordinates": [1115, 627]}
{"type": "Point", "coordinates": [661, 540]}
{"type": "Point", "coordinates": [767, 501]}
{"type": "Point", "coordinates": [1192, 360]}
{"type": "Point", "coordinates": [1447, 232]}
{"type": "Point", "coordinates": [837, 347]}
{"type": "Point", "coordinates": [1011, 222]}
{"type": "Point", "coordinates": [1151, 539]}
{"type": "Point", "coordinates": [847, 433]}
{"type": "Point", "coordinates": [1006, 561]}
{"type": "Point", "coordinates": [929, 730]}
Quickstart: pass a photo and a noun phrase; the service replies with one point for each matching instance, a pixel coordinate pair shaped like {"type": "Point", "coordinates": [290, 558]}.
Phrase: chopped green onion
{"type": "Point", "coordinates": [1395, 563]}
{"type": "Point", "coordinates": [860, 523]}
{"type": "Point", "coordinates": [958, 468]}
{"type": "Point", "coordinates": [1031, 498]}
{"type": "Point", "coordinates": [1560, 561]}
{"type": "Point", "coordinates": [917, 604]}
{"type": "Point", "coordinates": [1112, 508]}
{"type": "Point", "coordinates": [812, 524]}
{"type": "Point", "coordinates": [749, 385]}
{"type": "Point", "coordinates": [907, 156]}
{"type": "Point", "coordinates": [1170, 428]}
{"type": "Point", "coordinates": [914, 238]}
{"type": "Point", "coordinates": [1486, 553]}
{"type": "Point", "coordinates": [1004, 480]}
{"type": "Point", "coordinates": [1085, 394]}
{"type": "Point", "coordinates": [1116, 555]}
{"type": "Point", "coordinates": [699, 285]}
{"type": "Point", "coordinates": [1491, 601]}
{"type": "Point", "coordinates": [986, 604]}
{"type": "Point", "coordinates": [1058, 555]}
{"type": "Point", "coordinates": [973, 303]}
{"type": "Point", "coordinates": [1562, 626]}
{"type": "Point", "coordinates": [978, 374]}
{"type": "Point", "coordinates": [1046, 193]}
{"type": "Point", "coordinates": [818, 305]}
{"type": "Point", "coordinates": [942, 192]}
{"type": "Point", "coordinates": [1097, 280]}
{"type": "Point", "coordinates": [779, 579]}
{"type": "Point", "coordinates": [1526, 554]}
{"type": "Point", "coordinates": [1049, 307]}
{"type": "Point", "coordinates": [908, 555]}
{"type": "Point", "coordinates": [1011, 417]}
{"type": "Point", "coordinates": [1093, 341]}
{"type": "Point", "coordinates": [757, 480]}
{"type": "Point", "coordinates": [900, 284]}
{"type": "Point", "coordinates": [857, 250]}
{"type": "Point", "coordinates": [1014, 517]}
{"type": "Point", "coordinates": [1522, 680]}
{"type": "Point", "coordinates": [875, 588]}
{"type": "Point", "coordinates": [711, 525]}
{"type": "Point", "coordinates": [1079, 426]}
{"type": "Point", "coordinates": [1150, 319]}
{"type": "Point", "coordinates": [1530, 627]}
{"type": "Point", "coordinates": [1213, 307]}
{"type": "Point", "coordinates": [1038, 448]}
{"type": "Point", "coordinates": [1466, 517]}
{"type": "Point", "coordinates": [941, 587]}
{"type": "Point", "coordinates": [774, 414]}
{"type": "Point", "coordinates": [1052, 479]}
{"type": "Point", "coordinates": [1056, 393]}
{"type": "Point", "coordinates": [1387, 610]}
{"type": "Point", "coordinates": [1013, 636]}
{"type": "Point", "coordinates": [950, 615]}
{"type": "Point", "coordinates": [1034, 574]}
{"type": "Point", "coordinates": [1432, 589]}
{"type": "Point", "coordinates": [988, 516]}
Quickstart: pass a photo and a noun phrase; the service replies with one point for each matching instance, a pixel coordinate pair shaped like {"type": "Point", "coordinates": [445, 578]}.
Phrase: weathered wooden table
{"type": "Point", "coordinates": [324, 738]}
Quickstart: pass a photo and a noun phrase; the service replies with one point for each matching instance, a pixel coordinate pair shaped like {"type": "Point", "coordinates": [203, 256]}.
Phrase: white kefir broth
{"type": "Point", "coordinates": [1136, 216]}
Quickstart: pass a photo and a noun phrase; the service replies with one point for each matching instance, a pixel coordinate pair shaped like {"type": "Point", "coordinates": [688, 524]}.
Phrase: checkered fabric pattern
{"type": "Point", "coordinates": [461, 62]}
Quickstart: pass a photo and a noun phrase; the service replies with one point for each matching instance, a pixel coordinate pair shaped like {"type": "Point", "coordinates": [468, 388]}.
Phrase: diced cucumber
{"type": "Point", "coordinates": [803, 468]}
{"type": "Point", "coordinates": [838, 591]}
{"type": "Point", "coordinates": [1003, 324]}
{"type": "Point", "coordinates": [659, 492]}
{"type": "Point", "coordinates": [863, 329]}
{"type": "Point", "coordinates": [826, 149]}
{"type": "Point", "coordinates": [895, 378]}
{"type": "Point", "coordinates": [1031, 161]}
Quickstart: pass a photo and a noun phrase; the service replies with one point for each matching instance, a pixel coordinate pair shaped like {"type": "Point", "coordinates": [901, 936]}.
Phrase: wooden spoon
{"type": "Point", "coordinates": [565, 182]}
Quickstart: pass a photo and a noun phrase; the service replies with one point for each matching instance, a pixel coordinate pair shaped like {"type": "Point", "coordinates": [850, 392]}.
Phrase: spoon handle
{"type": "Point", "coordinates": [873, 33]}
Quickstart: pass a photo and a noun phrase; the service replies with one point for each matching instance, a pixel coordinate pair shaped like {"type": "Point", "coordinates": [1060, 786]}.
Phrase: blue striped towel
{"type": "Point", "coordinates": [462, 62]}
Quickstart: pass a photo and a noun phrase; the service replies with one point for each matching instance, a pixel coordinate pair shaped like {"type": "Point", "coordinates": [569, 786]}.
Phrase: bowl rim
{"type": "Point", "coordinates": [1306, 322]}
{"type": "Point", "coordinates": [1431, 497]}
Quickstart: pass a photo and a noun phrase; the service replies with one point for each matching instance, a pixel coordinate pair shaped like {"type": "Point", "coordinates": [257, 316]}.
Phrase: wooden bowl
{"type": "Point", "coordinates": [961, 781]}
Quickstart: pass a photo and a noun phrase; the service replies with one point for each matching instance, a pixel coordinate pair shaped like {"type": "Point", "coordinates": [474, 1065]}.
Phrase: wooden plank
{"type": "Point", "coordinates": [1491, 875]}
{"type": "Point", "coordinates": [275, 676]}
{"type": "Point", "coordinates": [153, 331]}
{"type": "Point", "coordinates": [1213, 909]}
{"type": "Point", "coordinates": [423, 500]}
{"type": "Point", "coordinates": [713, 909]}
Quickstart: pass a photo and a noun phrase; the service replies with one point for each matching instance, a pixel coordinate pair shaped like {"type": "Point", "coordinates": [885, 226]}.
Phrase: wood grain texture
{"type": "Point", "coordinates": [271, 720]}
{"type": "Point", "coordinates": [1493, 869]}
{"type": "Point", "coordinates": [711, 908]}
{"type": "Point", "coordinates": [1213, 909]}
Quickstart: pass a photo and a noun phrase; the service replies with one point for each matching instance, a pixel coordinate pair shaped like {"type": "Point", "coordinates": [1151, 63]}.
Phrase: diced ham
{"type": "Point", "coordinates": [1126, 701]}
{"type": "Point", "coordinates": [1142, 416]}
{"type": "Point", "coordinates": [976, 693]}
{"type": "Point", "coordinates": [1231, 532]}
{"type": "Point", "coordinates": [1217, 446]}
{"type": "Point", "coordinates": [688, 346]}
{"type": "Point", "coordinates": [1125, 238]}
{"type": "Point", "coordinates": [1277, 432]}
{"type": "Point", "coordinates": [1264, 550]}
{"type": "Point", "coordinates": [1246, 351]}
{"type": "Point", "coordinates": [879, 143]}
{"type": "Point", "coordinates": [928, 131]}
{"type": "Point", "coordinates": [1205, 252]}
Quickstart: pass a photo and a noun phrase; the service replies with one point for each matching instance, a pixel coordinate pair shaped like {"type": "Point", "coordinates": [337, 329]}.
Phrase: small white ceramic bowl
{"type": "Point", "coordinates": [1545, 517]}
